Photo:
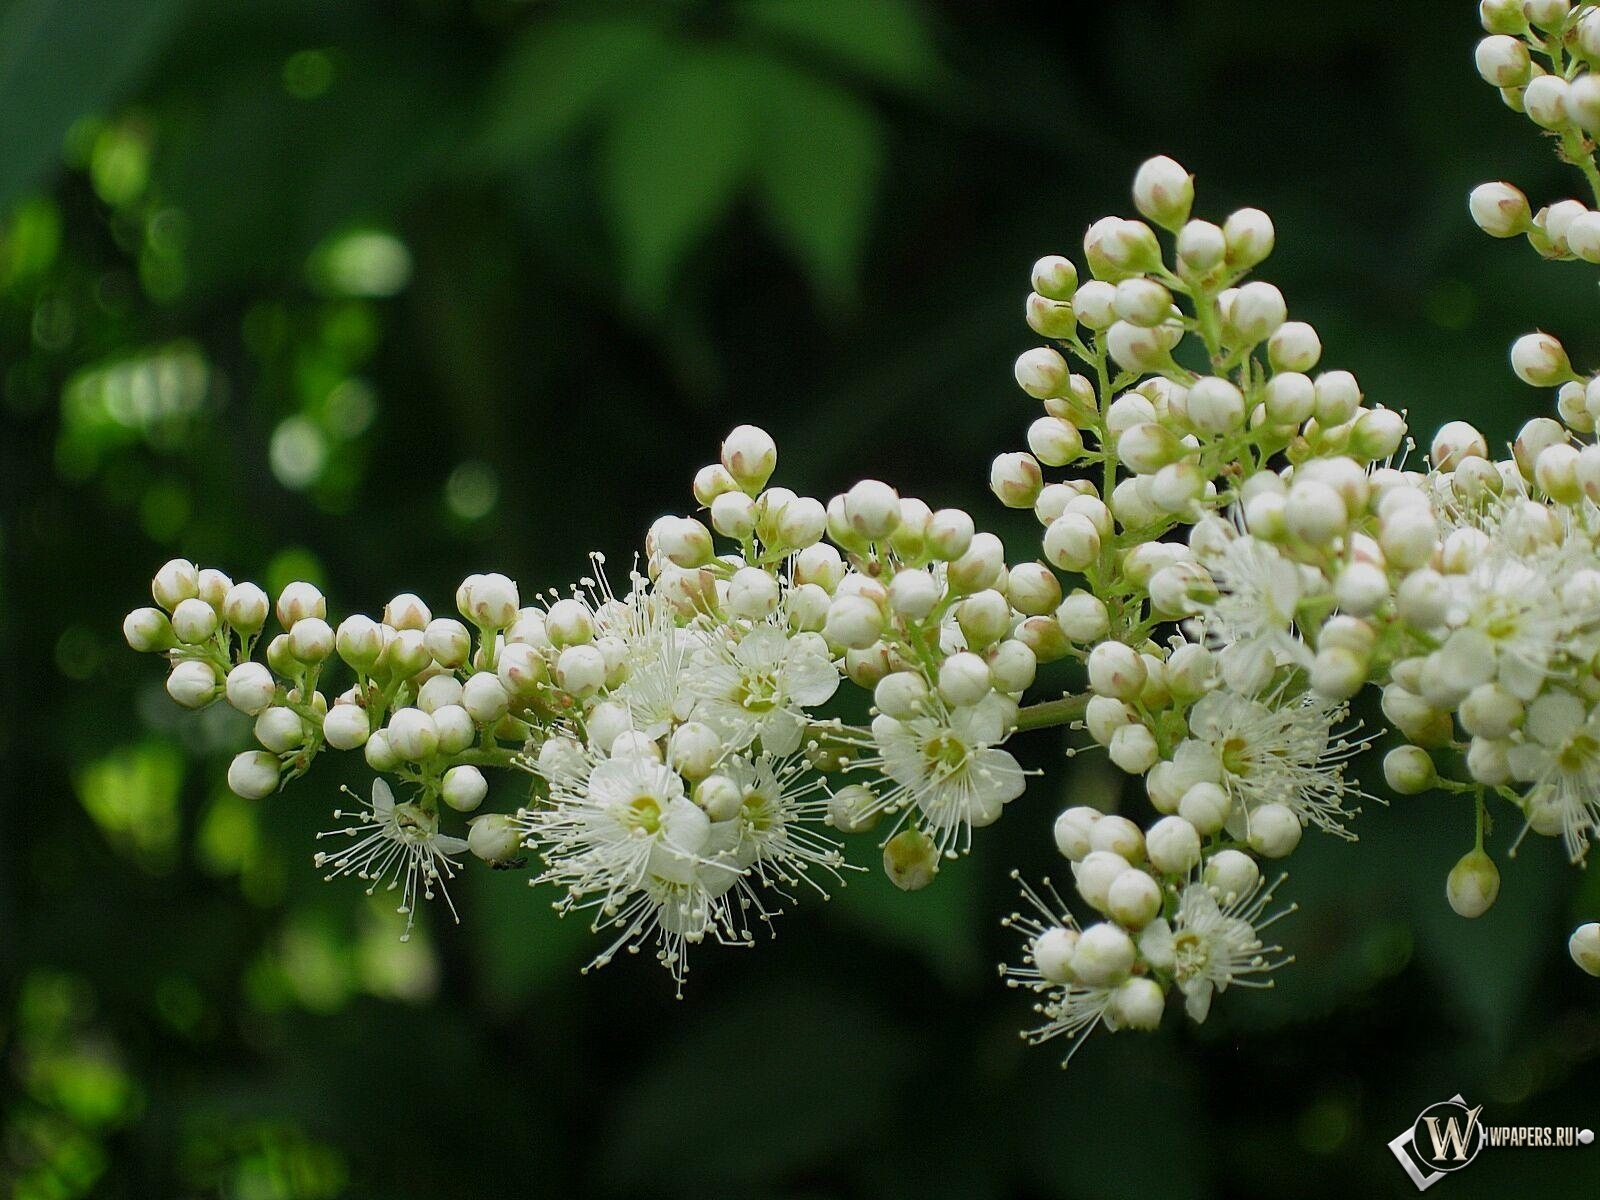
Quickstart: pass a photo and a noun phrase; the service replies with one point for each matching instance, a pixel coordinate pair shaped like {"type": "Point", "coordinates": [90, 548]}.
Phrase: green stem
{"type": "Point", "coordinates": [1052, 712]}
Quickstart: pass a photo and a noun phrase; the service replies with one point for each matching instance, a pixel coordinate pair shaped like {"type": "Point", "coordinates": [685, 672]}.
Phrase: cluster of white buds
{"type": "Point", "coordinates": [1527, 524]}
{"type": "Point", "coordinates": [1231, 549]}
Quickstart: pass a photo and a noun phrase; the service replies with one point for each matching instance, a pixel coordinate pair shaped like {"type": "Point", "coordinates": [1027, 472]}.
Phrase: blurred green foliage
{"type": "Point", "coordinates": [378, 293]}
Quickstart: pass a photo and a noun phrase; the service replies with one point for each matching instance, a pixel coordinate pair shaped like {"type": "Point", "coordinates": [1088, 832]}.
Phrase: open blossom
{"type": "Point", "coordinates": [782, 808]}
{"type": "Point", "coordinates": [948, 766]}
{"type": "Point", "coordinates": [607, 830]}
{"type": "Point", "coordinates": [759, 686]}
{"type": "Point", "coordinates": [1277, 749]}
{"type": "Point", "coordinates": [1211, 946]}
{"type": "Point", "coordinates": [1251, 618]}
{"type": "Point", "coordinates": [397, 843]}
{"type": "Point", "coordinates": [1050, 934]}
{"type": "Point", "coordinates": [1560, 758]}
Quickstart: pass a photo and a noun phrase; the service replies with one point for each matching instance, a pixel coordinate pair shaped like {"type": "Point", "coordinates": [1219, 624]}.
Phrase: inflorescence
{"type": "Point", "coordinates": [1232, 546]}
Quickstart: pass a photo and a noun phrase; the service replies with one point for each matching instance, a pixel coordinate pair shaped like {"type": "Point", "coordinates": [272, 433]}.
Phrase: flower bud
{"type": "Point", "coordinates": [1013, 665]}
{"type": "Point", "coordinates": [412, 734]}
{"type": "Point", "coordinates": [980, 567]}
{"type": "Point", "coordinates": [581, 670]}
{"type": "Point", "coordinates": [493, 602]}
{"type": "Point", "coordinates": [484, 697]}
{"type": "Point", "coordinates": [311, 640]}
{"type": "Point", "coordinates": [346, 726]}
{"type": "Point", "coordinates": [1409, 770]}
{"type": "Point", "coordinates": [464, 788]}
{"type": "Point", "coordinates": [1216, 406]}
{"type": "Point", "coordinates": [1250, 237]}
{"type": "Point", "coordinates": [1072, 542]}
{"type": "Point", "coordinates": [1015, 479]}
{"type": "Point", "coordinates": [1142, 302]}
{"type": "Point", "coordinates": [1206, 806]}
{"type": "Point", "coordinates": [1117, 671]}
{"type": "Point", "coordinates": [749, 455]}
{"type": "Point", "coordinates": [194, 621]}
{"type": "Point", "coordinates": [178, 580]}
{"type": "Point", "coordinates": [1274, 830]}
{"type": "Point", "coordinates": [407, 611]}
{"type": "Point", "coordinates": [1540, 360]}
{"type": "Point", "coordinates": [253, 775]}
{"type": "Point", "coordinates": [1202, 247]}
{"type": "Point", "coordinates": [1163, 191]}
{"type": "Point", "coordinates": [245, 608]}
{"type": "Point", "coordinates": [1042, 373]}
{"type": "Point", "coordinates": [1133, 900]}
{"type": "Point", "coordinates": [1033, 589]}
{"type": "Point", "coordinates": [950, 534]}
{"type": "Point", "coordinates": [964, 679]}
{"type": "Point", "coordinates": [1103, 956]}
{"type": "Point", "coordinates": [1232, 874]}
{"type": "Point", "coordinates": [1500, 210]}
{"type": "Point", "coordinates": [1095, 305]}
{"type": "Point", "coordinates": [193, 684]}
{"type": "Point", "coordinates": [1055, 277]}
{"type": "Point", "coordinates": [712, 481]}
{"type": "Point", "coordinates": [1293, 346]}
{"type": "Point", "coordinates": [1584, 946]}
{"type": "Point", "coordinates": [910, 860]}
{"type": "Point", "coordinates": [1173, 845]}
{"type": "Point", "coordinates": [494, 838]}
{"type": "Point", "coordinates": [1503, 61]}
{"type": "Point", "coordinates": [1473, 884]}
{"type": "Point", "coordinates": [1133, 749]}
{"type": "Point", "coordinates": [148, 631]}
{"type": "Point", "coordinates": [298, 601]}
{"type": "Point", "coordinates": [873, 509]}
{"type": "Point", "coordinates": [1138, 1003]}
{"type": "Point", "coordinates": [1054, 442]}
{"type": "Point", "coordinates": [1545, 101]}
{"type": "Point", "coordinates": [1073, 829]}
{"type": "Point", "coordinates": [250, 687]}
{"type": "Point", "coordinates": [1083, 617]}
{"type": "Point", "coordinates": [1258, 309]}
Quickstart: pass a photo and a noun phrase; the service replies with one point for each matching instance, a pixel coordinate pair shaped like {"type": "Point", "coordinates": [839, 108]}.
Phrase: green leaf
{"type": "Point", "coordinates": [554, 75]}
{"type": "Point", "coordinates": [678, 153]}
{"type": "Point", "coordinates": [885, 40]}
{"type": "Point", "coordinates": [64, 59]}
{"type": "Point", "coordinates": [820, 159]}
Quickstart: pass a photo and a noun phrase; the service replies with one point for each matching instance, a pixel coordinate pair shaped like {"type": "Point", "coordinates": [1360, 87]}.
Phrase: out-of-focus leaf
{"type": "Point", "coordinates": [676, 156]}
{"type": "Point", "coordinates": [821, 152]}
{"type": "Point", "coordinates": [553, 76]}
{"type": "Point", "coordinates": [826, 1067]}
{"type": "Point", "coordinates": [521, 945]}
{"type": "Point", "coordinates": [942, 924]}
{"type": "Point", "coordinates": [63, 59]}
{"type": "Point", "coordinates": [887, 40]}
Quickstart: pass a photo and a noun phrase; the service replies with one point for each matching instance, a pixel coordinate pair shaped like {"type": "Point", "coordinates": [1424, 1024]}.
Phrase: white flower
{"type": "Point", "coordinates": [1210, 946]}
{"type": "Point", "coordinates": [397, 842]}
{"type": "Point", "coordinates": [624, 840]}
{"type": "Point", "coordinates": [784, 803]}
{"type": "Point", "coordinates": [1251, 618]}
{"type": "Point", "coordinates": [657, 651]}
{"type": "Point", "coordinates": [1069, 1009]}
{"type": "Point", "coordinates": [760, 686]}
{"type": "Point", "coordinates": [1274, 750]}
{"type": "Point", "coordinates": [1560, 757]}
{"type": "Point", "coordinates": [608, 830]}
{"type": "Point", "coordinates": [948, 766]}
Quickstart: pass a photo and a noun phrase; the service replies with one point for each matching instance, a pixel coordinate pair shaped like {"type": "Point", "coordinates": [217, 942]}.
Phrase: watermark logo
{"type": "Point", "coordinates": [1449, 1136]}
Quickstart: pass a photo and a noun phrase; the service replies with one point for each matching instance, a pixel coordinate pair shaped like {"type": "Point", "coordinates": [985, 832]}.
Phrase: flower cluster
{"type": "Point", "coordinates": [1233, 544]}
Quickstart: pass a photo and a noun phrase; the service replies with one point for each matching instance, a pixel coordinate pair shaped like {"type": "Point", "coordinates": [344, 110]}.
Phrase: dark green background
{"type": "Point", "coordinates": [628, 228]}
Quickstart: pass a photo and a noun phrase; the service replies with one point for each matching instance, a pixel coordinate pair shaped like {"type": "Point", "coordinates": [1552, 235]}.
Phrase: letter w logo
{"type": "Point", "coordinates": [1454, 1139]}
